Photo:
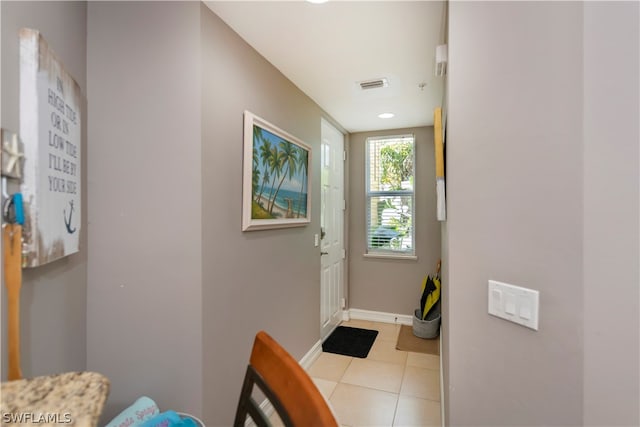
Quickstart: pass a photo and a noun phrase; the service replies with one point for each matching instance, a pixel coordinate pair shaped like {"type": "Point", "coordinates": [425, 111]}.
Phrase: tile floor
{"type": "Point", "coordinates": [388, 388]}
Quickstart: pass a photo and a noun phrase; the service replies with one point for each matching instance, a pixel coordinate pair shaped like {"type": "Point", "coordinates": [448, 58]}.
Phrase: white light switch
{"type": "Point", "coordinates": [514, 303]}
{"type": "Point", "coordinates": [510, 305]}
{"type": "Point", "coordinates": [496, 294]}
{"type": "Point", "coordinates": [316, 240]}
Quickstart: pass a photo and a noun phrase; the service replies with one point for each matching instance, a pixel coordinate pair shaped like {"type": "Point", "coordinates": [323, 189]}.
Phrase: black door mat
{"type": "Point", "coordinates": [348, 341]}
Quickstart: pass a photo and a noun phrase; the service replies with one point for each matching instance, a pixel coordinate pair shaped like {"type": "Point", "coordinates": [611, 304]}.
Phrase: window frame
{"type": "Point", "coordinates": [388, 253]}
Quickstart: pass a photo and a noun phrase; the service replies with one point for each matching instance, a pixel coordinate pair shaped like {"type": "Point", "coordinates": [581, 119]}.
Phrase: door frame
{"type": "Point", "coordinates": [343, 299]}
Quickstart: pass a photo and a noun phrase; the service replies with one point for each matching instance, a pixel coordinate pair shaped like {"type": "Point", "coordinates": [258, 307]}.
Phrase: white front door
{"type": "Point", "coordinates": [332, 232]}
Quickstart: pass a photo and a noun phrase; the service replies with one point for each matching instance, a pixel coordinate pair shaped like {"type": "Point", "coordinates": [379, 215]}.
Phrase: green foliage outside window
{"type": "Point", "coordinates": [390, 166]}
{"type": "Point", "coordinates": [397, 164]}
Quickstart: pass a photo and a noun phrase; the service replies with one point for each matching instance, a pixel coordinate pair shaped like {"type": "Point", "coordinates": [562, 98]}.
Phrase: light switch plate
{"type": "Point", "coordinates": [514, 303]}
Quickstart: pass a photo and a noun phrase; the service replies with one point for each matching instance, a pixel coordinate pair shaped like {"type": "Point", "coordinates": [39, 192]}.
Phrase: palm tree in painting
{"type": "Point", "coordinates": [265, 180]}
{"type": "Point", "coordinates": [255, 172]}
{"type": "Point", "coordinates": [289, 159]}
{"type": "Point", "coordinates": [275, 166]}
{"type": "Point", "coordinates": [303, 166]}
{"type": "Point", "coordinates": [265, 155]}
{"type": "Point", "coordinates": [257, 135]}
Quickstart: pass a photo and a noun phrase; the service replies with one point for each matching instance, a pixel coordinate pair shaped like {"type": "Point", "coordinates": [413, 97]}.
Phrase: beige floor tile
{"type": "Point", "coordinates": [421, 360]}
{"type": "Point", "coordinates": [412, 411]}
{"type": "Point", "coordinates": [421, 382]}
{"type": "Point", "coordinates": [387, 331]}
{"type": "Point", "coordinates": [356, 323]}
{"type": "Point", "coordinates": [326, 387]}
{"type": "Point", "coordinates": [373, 374]}
{"type": "Point", "coordinates": [359, 406]}
{"type": "Point", "coordinates": [329, 366]}
{"type": "Point", "coordinates": [385, 351]}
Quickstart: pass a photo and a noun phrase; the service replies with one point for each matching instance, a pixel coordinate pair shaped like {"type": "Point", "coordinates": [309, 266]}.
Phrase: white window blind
{"type": "Point", "coordinates": [390, 171]}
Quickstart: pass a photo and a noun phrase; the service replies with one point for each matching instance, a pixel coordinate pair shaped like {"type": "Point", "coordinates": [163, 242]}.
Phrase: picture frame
{"type": "Point", "coordinates": [276, 192]}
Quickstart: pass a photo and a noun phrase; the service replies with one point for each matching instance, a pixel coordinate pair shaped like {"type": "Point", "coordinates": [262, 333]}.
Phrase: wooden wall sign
{"type": "Point", "coordinates": [50, 128]}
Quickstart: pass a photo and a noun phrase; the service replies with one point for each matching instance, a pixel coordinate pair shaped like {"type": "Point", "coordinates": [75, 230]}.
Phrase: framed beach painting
{"type": "Point", "coordinates": [275, 186]}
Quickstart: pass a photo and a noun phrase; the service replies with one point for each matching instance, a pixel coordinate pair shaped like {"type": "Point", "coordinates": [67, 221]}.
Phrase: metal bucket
{"type": "Point", "coordinates": [430, 327]}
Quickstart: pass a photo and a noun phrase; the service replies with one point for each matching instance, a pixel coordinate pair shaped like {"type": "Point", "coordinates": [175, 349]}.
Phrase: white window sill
{"type": "Point", "coordinates": [391, 256]}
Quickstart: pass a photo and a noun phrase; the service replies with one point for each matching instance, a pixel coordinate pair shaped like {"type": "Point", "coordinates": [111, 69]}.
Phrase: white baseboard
{"type": "Point", "coordinates": [311, 356]}
{"type": "Point", "coordinates": [380, 316]}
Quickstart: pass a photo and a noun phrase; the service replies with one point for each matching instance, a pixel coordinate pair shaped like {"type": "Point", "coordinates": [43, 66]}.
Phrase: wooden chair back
{"type": "Point", "coordinates": [286, 385]}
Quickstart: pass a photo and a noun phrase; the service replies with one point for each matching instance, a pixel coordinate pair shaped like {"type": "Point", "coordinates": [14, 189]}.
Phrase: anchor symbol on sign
{"type": "Point", "coordinates": [68, 222]}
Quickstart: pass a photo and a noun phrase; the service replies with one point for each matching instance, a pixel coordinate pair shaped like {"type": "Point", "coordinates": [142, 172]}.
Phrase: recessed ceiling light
{"type": "Point", "coordinates": [317, 1]}
{"type": "Point", "coordinates": [386, 115]}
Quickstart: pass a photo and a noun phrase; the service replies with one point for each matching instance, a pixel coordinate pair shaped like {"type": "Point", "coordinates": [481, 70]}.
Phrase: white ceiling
{"type": "Point", "coordinates": [327, 49]}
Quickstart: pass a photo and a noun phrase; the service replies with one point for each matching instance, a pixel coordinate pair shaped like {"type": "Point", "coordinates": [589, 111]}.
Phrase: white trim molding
{"type": "Point", "coordinates": [380, 316]}
{"type": "Point", "coordinates": [311, 356]}
{"type": "Point", "coordinates": [384, 255]}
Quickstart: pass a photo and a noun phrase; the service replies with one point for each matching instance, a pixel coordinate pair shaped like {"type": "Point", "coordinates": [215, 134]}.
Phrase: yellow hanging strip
{"type": "Point", "coordinates": [12, 241]}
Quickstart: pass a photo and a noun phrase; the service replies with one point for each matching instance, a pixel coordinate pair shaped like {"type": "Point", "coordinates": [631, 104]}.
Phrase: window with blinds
{"type": "Point", "coordinates": [390, 171]}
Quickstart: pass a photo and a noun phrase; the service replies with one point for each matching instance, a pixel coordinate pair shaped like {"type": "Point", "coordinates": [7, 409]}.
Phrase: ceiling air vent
{"type": "Point", "coordinates": [374, 84]}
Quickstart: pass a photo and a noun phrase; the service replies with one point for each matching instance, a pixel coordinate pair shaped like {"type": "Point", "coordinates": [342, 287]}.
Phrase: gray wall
{"type": "Point", "coordinates": [542, 187]}
{"type": "Point", "coordinates": [611, 185]}
{"type": "Point", "coordinates": [53, 300]}
{"type": "Point", "coordinates": [173, 306]}
{"type": "Point", "coordinates": [392, 285]}
{"type": "Point", "coordinates": [144, 297]}
{"type": "Point", "coordinates": [514, 193]}
{"type": "Point", "coordinates": [253, 280]}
